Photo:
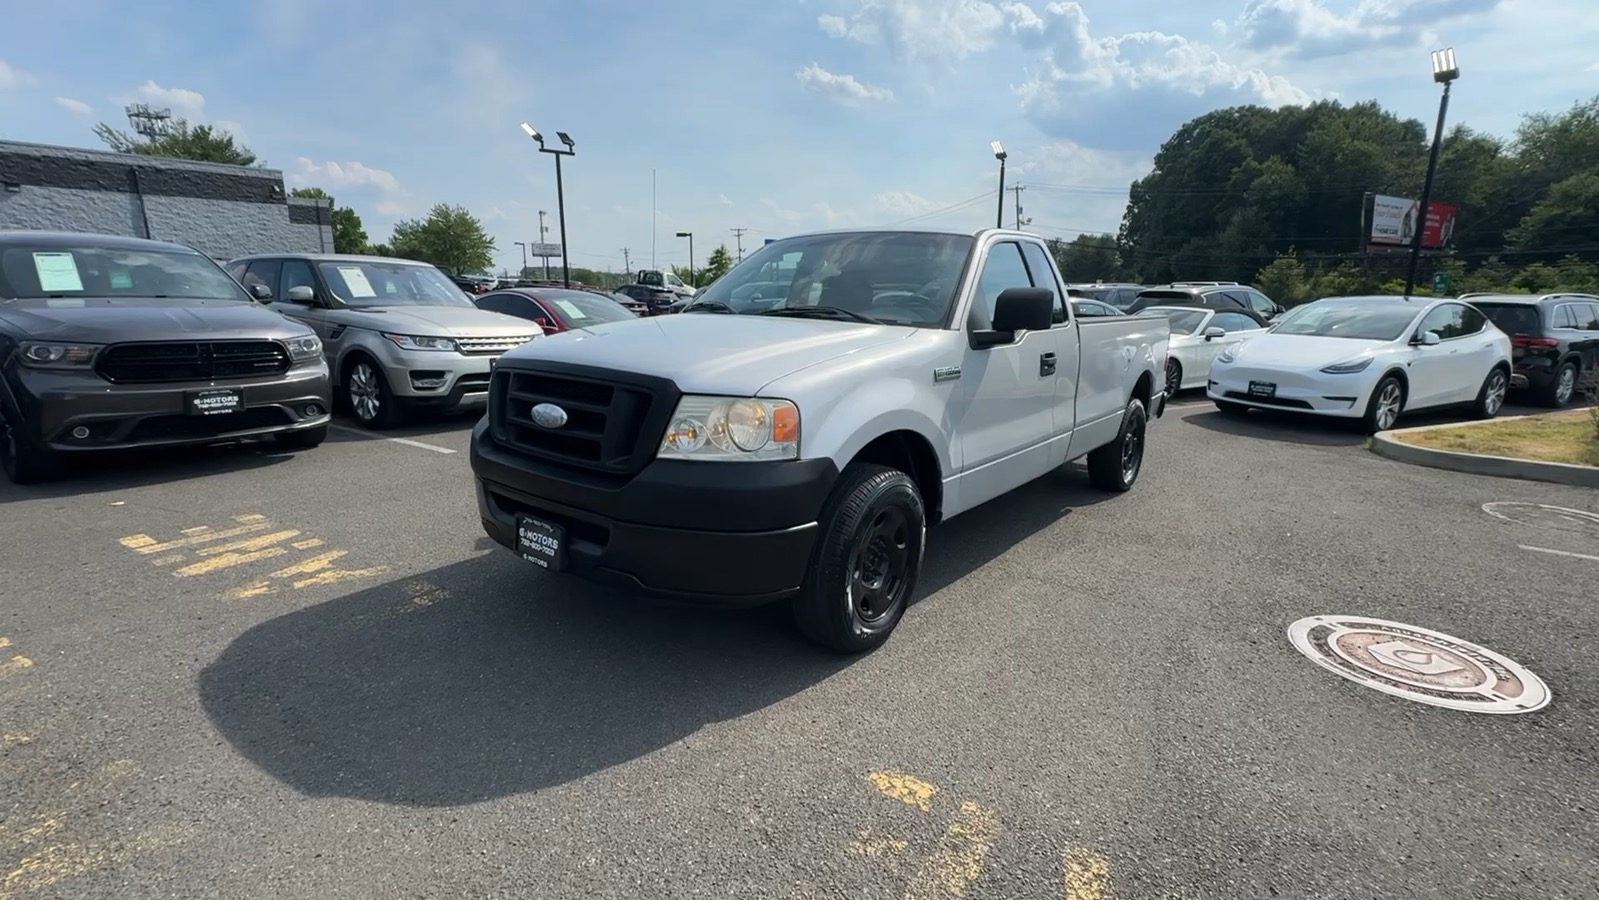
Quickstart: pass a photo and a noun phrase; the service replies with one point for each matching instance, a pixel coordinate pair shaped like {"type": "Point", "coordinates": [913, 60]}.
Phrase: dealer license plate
{"type": "Point", "coordinates": [541, 543]}
{"type": "Point", "coordinates": [214, 401]}
{"type": "Point", "coordinates": [1265, 389]}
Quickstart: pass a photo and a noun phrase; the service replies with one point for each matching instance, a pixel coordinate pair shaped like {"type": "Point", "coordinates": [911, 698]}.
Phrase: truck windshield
{"type": "Point", "coordinates": [369, 284]}
{"type": "Point", "coordinates": [892, 277]}
{"type": "Point", "coordinates": [84, 270]}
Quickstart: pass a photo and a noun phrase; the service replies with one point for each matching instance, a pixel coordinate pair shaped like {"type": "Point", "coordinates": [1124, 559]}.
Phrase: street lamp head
{"type": "Point", "coordinates": [685, 234]}
{"type": "Point", "coordinates": [1444, 69]}
{"type": "Point", "coordinates": [999, 150]}
{"type": "Point", "coordinates": [532, 132]}
{"type": "Point", "coordinates": [565, 139]}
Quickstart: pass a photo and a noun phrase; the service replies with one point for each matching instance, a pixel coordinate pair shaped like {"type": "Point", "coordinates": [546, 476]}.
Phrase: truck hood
{"type": "Point", "coordinates": [434, 321]}
{"type": "Point", "coordinates": [105, 320]}
{"type": "Point", "coordinates": [710, 352]}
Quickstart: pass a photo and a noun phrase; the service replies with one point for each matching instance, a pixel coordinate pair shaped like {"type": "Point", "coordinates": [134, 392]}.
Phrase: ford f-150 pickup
{"type": "Point", "coordinates": [796, 447]}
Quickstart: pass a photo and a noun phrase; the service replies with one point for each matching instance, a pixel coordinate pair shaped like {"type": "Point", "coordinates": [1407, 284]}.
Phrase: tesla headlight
{"type": "Point", "coordinates": [1348, 366]}
{"type": "Point", "coordinates": [303, 349]}
{"type": "Point", "coordinates": [415, 342]}
{"type": "Point", "coordinates": [50, 355]}
{"type": "Point", "coordinates": [732, 428]}
{"type": "Point", "coordinates": [1230, 355]}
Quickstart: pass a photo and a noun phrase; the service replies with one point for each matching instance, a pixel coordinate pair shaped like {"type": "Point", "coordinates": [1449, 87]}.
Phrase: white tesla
{"type": "Point", "coordinates": [1198, 336]}
{"type": "Point", "coordinates": [1370, 358]}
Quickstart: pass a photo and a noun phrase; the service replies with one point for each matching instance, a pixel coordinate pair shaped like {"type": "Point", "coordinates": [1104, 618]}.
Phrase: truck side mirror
{"type": "Point", "coordinates": [301, 294]}
{"type": "Point", "coordinates": [1017, 309]}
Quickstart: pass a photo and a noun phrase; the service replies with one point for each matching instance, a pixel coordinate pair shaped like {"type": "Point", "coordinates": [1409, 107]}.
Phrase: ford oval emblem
{"type": "Point", "coordinates": [548, 415]}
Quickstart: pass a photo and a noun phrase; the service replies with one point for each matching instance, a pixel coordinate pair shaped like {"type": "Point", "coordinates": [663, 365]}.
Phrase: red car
{"type": "Point", "coordinates": [555, 309]}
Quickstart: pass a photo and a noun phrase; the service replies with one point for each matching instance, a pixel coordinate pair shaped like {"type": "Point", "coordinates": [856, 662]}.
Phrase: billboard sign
{"type": "Point", "coordinates": [544, 250]}
{"type": "Point", "coordinates": [1394, 222]}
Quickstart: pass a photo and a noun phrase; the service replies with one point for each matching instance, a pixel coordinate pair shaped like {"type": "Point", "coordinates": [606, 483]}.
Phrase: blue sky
{"type": "Point", "coordinates": [776, 117]}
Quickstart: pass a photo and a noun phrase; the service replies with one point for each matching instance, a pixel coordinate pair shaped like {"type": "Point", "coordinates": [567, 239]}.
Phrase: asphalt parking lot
{"type": "Point", "coordinates": [228, 672]}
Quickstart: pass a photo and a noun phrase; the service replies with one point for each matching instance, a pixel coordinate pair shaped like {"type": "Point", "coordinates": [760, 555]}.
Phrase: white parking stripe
{"type": "Point", "coordinates": [397, 440]}
{"type": "Point", "coordinates": [1558, 552]}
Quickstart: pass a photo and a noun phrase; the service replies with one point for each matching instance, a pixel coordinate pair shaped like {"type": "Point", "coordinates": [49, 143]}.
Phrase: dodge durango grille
{"type": "Point", "coordinates": [155, 362]}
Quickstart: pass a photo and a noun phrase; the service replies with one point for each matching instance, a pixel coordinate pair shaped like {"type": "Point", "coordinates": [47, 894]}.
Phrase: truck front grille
{"type": "Point", "coordinates": [487, 346]}
{"type": "Point", "coordinates": [614, 421]}
{"type": "Point", "coordinates": [148, 363]}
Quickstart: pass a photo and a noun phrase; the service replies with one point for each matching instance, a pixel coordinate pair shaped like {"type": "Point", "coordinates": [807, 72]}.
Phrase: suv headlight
{"type": "Point", "coordinates": [414, 342]}
{"type": "Point", "coordinates": [1230, 355]}
{"type": "Point", "coordinates": [1349, 366]}
{"type": "Point", "coordinates": [304, 349]}
{"type": "Point", "coordinates": [50, 355]}
{"type": "Point", "coordinates": [732, 428]}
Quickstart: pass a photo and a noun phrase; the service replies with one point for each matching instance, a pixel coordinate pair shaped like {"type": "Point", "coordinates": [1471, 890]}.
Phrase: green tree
{"type": "Point", "coordinates": [181, 140]}
{"type": "Point", "coordinates": [450, 238]}
{"type": "Point", "coordinates": [1086, 257]}
{"type": "Point", "coordinates": [349, 235]}
{"type": "Point", "coordinates": [715, 267]}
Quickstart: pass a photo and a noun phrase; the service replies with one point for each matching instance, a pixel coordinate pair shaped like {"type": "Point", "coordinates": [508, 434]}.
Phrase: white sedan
{"type": "Point", "coordinates": [1368, 358]}
{"type": "Point", "coordinates": [1198, 336]}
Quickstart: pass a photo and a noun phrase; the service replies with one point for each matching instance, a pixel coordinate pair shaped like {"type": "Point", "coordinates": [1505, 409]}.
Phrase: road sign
{"type": "Point", "coordinates": [1440, 282]}
{"type": "Point", "coordinates": [543, 249]}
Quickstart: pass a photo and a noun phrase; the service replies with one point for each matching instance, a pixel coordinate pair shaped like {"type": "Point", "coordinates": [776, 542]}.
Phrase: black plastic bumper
{"type": "Point", "coordinates": [725, 534]}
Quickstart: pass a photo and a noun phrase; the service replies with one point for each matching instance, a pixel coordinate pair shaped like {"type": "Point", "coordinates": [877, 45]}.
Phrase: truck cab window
{"type": "Point", "coordinates": [1003, 269]}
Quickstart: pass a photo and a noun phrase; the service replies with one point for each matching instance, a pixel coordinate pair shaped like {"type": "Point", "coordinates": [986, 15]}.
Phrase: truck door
{"type": "Point", "coordinates": [1064, 416]}
{"type": "Point", "coordinates": [1006, 416]}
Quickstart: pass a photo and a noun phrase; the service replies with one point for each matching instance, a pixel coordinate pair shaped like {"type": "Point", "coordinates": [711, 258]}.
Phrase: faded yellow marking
{"type": "Point", "coordinates": [253, 589]}
{"type": "Point", "coordinates": [196, 539]}
{"type": "Point", "coordinates": [5, 641]}
{"type": "Point", "coordinates": [15, 664]}
{"type": "Point", "coordinates": [255, 543]}
{"type": "Point", "coordinates": [958, 861]}
{"type": "Point", "coordinates": [906, 788]}
{"type": "Point", "coordinates": [877, 845]}
{"type": "Point", "coordinates": [1085, 874]}
{"type": "Point", "coordinates": [307, 544]}
{"type": "Point", "coordinates": [135, 541]}
{"type": "Point", "coordinates": [250, 517]}
{"type": "Point", "coordinates": [15, 739]}
{"type": "Point", "coordinates": [168, 560]}
{"type": "Point", "coordinates": [198, 529]}
{"type": "Point", "coordinates": [421, 594]}
{"type": "Point", "coordinates": [314, 564]}
{"type": "Point", "coordinates": [227, 561]}
{"type": "Point", "coordinates": [56, 863]}
{"type": "Point", "coordinates": [336, 575]}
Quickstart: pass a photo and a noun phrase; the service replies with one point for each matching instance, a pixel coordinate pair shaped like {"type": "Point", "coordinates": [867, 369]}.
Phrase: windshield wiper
{"type": "Point", "coordinates": [715, 306]}
{"type": "Point", "coordinates": [823, 312]}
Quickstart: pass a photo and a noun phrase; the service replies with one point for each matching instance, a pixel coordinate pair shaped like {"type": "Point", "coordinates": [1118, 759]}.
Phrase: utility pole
{"type": "Point", "coordinates": [627, 260]}
{"type": "Point", "coordinates": [738, 235]}
{"type": "Point", "coordinates": [544, 238]}
{"type": "Point", "coordinates": [1019, 221]}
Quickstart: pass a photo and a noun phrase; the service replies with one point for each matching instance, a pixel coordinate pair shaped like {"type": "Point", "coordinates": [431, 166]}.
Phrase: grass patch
{"type": "Point", "coordinates": [1564, 437]}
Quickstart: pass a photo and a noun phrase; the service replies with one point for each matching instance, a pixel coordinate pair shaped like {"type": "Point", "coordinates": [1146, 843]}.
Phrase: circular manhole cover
{"type": "Point", "coordinates": [1419, 664]}
{"type": "Point", "coordinates": [1542, 515]}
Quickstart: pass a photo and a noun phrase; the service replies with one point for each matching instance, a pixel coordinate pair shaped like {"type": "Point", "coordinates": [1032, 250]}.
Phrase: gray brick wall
{"type": "Point", "coordinates": [221, 210]}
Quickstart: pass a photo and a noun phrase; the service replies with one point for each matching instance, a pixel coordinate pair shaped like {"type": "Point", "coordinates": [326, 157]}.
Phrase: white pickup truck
{"type": "Point", "coordinates": [796, 448]}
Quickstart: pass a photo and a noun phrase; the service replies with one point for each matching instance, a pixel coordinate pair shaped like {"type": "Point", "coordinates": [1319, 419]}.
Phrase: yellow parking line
{"type": "Point", "coordinates": [227, 561]}
{"type": "Point", "coordinates": [135, 541]}
{"type": "Point", "coordinates": [15, 738]}
{"type": "Point", "coordinates": [250, 517]}
{"type": "Point", "coordinates": [307, 544]}
{"type": "Point", "coordinates": [255, 543]}
{"type": "Point", "coordinates": [198, 529]}
{"type": "Point", "coordinates": [336, 575]}
{"type": "Point", "coordinates": [314, 564]}
{"type": "Point", "coordinates": [958, 861]}
{"type": "Point", "coordinates": [877, 845]}
{"type": "Point", "coordinates": [246, 591]}
{"type": "Point", "coordinates": [906, 788]}
{"type": "Point", "coordinates": [143, 543]}
{"type": "Point", "coordinates": [4, 641]}
{"type": "Point", "coordinates": [1085, 874]}
{"type": "Point", "coordinates": [15, 664]}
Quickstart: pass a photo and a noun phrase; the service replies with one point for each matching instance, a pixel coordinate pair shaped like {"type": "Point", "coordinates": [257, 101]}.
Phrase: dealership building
{"type": "Point", "coordinates": [221, 210]}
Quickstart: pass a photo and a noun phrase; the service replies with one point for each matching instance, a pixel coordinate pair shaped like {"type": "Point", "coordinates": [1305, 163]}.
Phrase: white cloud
{"type": "Point", "coordinates": [904, 204]}
{"type": "Point", "coordinates": [1307, 29]}
{"type": "Point", "coordinates": [11, 77]}
{"type": "Point", "coordinates": [840, 88]}
{"type": "Point", "coordinates": [1592, 68]}
{"type": "Point", "coordinates": [723, 199]}
{"type": "Point", "coordinates": [949, 30]}
{"type": "Point", "coordinates": [331, 175]}
{"type": "Point", "coordinates": [185, 103]}
{"type": "Point", "coordinates": [75, 106]}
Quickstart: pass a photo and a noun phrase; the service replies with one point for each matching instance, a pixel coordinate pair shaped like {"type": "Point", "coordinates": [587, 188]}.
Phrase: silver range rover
{"type": "Point", "coordinates": [399, 335]}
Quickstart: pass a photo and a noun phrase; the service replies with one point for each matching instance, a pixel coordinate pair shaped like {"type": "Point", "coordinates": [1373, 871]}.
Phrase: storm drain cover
{"type": "Point", "coordinates": [1419, 664]}
{"type": "Point", "coordinates": [1542, 515]}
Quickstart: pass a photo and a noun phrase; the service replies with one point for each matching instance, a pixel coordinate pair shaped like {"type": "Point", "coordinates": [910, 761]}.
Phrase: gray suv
{"type": "Point", "coordinates": [399, 335]}
{"type": "Point", "coordinates": [112, 342]}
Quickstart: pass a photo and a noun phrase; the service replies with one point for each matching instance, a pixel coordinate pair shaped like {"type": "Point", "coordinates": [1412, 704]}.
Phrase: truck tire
{"type": "Point", "coordinates": [22, 459]}
{"type": "Point", "coordinates": [863, 572]}
{"type": "Point", "coordinates": [1115, 467]}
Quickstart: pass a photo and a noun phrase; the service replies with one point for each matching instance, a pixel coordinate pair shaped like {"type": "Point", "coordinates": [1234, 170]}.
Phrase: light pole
{"type": "Point", "coordinates": [690, 236]}
{"type": "Point", "coordinates": [523, 273]}
{"type": "Point", "coordinates": [999, 154]}
{"type": "Point", "coordinates": [560, 191]}
{"type": "Point", "coordinates": [1444, 71]}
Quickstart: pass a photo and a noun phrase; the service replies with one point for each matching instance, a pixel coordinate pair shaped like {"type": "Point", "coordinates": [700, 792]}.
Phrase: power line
{"type": "Point", "coordinates": [920, 217]}
{"type": "Point", "coordinates": [738, 235]}
{"type": "Point", "coordinates": [627, 259]}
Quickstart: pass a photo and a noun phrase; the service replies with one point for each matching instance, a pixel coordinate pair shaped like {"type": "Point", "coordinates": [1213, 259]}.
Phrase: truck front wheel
{"type": "Point", "coordinates": [868, 556]}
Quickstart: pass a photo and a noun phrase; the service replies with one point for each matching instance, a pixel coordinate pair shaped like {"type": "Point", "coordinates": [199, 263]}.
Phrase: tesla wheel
{"type": "Point", "coordinates": [371, 401]}
{"type": "Point", "coordinates": [1174, 378]}
{"type": "Point", "coordinates": [867, 560]}
{"type": "Point", "coordinates": [1115, 466]}
{"type": "Point", "coordinates": [1491, 398]}
{"type": "Point", "coordinates": [1561, 387]}
{"type": "Point", "coordinates": [1387, 402]}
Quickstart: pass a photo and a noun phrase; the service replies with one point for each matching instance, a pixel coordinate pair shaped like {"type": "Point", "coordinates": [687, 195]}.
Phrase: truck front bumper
{"type": "Point", "coordinates": [707, 533]}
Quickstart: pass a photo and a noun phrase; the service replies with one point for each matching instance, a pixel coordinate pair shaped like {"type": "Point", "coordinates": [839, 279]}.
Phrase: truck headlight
{"type": "Point", "coordinates": [732, 428]}
{"type": "Point", "coordinates": [304, 349]}
{"type": "Point", "coordinates": [415, 342]}
{"type": "Point", "coordinates": [51, 355]}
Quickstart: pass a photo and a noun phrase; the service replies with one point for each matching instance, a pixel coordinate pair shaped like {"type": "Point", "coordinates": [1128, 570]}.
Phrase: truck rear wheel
{"type": "Point", "coordinates": [1115, 466]}
{"type": "Point", "coordinates": [873, 530]}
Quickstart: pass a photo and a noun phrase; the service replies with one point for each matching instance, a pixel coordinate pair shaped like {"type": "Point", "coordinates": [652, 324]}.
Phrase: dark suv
{"type": "Point", "coordinates": [1209, 296]}
{"type": "Point", "coordinates": [111, 342]}
{"type": "Point", "coordinates": [1554, 341]}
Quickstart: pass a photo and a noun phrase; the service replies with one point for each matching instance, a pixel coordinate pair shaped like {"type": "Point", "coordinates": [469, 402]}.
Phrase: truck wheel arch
{"type": "Point", "coordinates": [909, 452]}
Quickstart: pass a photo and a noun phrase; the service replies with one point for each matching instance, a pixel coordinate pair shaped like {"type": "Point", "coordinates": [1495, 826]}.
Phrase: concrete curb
{"type": "Point", "coordinates": [1387, 444]}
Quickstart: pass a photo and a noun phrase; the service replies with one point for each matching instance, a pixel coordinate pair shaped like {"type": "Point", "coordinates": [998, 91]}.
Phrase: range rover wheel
{"type": "Point", "coordinates": [367, 392]}
{"type": "Point", "coordinates": [22, 459]}
{"type": "Point", "coordinates": [863, 572]}
{"type": "Point", "coordinates": [1115, 466]}
{"type": "Point", "coordinates": [1562, 387]}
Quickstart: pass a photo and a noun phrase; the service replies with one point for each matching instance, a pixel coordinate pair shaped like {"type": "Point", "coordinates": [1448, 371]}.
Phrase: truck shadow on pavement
{"type": "Point", "coordinates": [487, 678]}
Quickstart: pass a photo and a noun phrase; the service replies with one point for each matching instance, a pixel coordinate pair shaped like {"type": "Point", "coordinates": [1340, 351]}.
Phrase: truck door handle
{"type": "Point", "coordinates": [1046, 364]}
